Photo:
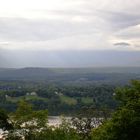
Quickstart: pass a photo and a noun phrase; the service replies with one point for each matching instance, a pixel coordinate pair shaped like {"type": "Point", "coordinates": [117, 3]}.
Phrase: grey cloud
{"type": "Point", "coordinates": [20, 29]}
{"type": "Point", "coordinates": [116, 19]}
{"type": "Point", "coordinates": [137, 46]}
{"type": "Point", "coordinates": [120, 20]}
{"type": "Point", "coordinates": [119, 14]}
{"type": "Point", "coordinates": [102, 23]}
{"type": "Point", "coordinates": [122, 44]}
{"type": "Point", "coordinates": [130, 33]}
{"type": "Point", "coordinates": [67, 12]}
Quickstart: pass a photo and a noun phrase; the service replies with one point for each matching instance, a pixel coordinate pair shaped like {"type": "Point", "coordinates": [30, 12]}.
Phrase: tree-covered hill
{"type": "Point", "coordinates": [109, 75]}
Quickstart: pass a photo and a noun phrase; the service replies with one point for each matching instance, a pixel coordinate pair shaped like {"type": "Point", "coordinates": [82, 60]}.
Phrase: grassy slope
{"type": "Point", "coordinates": [29, 97]}
{"type": "Point", "coordinates": [68, 100]}
{"type": "Point", "coordinates": [87, 100]}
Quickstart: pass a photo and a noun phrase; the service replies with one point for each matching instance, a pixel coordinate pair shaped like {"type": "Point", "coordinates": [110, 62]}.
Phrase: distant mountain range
{"type": "Point", "coordinates": [75, 75]}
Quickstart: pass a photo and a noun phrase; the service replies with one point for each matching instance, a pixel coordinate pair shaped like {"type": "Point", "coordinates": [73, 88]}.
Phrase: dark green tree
{"type": "Point", "coordinates": [5, 121]}
{"type": "Point", "coordinates": [27, 122]}
{"type": "Point", "coordinates": [125, 123]}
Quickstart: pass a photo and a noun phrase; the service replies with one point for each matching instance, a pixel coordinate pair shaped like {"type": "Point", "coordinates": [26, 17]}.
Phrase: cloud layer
{"type": "Point", "coordinates": [69, 25]}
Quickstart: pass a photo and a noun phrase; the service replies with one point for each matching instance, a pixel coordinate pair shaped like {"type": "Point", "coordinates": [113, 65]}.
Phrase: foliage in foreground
{"type": "Point", "coordinates": [123, 125]}
{"type": "Point", "coordinates": [125, 122]}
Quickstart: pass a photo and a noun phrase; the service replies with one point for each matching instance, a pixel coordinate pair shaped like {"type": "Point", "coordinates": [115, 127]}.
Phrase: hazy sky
{"type": "Point", "coordinates": [69, 33]}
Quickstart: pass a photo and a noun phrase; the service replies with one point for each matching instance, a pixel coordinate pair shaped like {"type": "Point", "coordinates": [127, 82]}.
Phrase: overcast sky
{"type": "Point", "coordinates": [69, 33]}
